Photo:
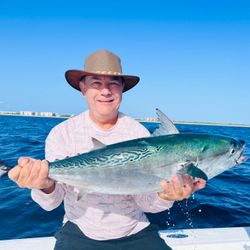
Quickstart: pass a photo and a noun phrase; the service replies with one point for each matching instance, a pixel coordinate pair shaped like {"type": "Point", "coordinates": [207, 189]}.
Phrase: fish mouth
{"type": "Point", "coordinates": [241, 159]}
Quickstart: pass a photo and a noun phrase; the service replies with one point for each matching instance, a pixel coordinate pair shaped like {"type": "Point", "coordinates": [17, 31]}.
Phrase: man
{"type": "Point", "coordinates": [97, 221]}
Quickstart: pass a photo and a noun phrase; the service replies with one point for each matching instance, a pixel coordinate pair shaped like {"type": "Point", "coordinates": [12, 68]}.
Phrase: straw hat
{"type": "Point", "coordinates": [101, 62]}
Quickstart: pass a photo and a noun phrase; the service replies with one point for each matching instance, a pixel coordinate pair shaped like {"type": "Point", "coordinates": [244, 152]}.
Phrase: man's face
{"type": "Point", "coordinates": [103, 94]}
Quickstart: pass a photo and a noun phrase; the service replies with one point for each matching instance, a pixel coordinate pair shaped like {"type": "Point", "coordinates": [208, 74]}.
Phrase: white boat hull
{"type": "Point", "coordinates": [230, 238]}
{"type": "Point", "coordinates": [233, 238]}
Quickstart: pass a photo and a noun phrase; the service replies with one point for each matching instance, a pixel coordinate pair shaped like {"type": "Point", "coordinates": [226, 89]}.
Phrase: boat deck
{"type": "Point", "coordinates": [234, 238]}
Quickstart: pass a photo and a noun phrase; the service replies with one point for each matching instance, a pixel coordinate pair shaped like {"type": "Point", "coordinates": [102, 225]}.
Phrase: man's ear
{"type": "Point", "coordinates": [82, 87]}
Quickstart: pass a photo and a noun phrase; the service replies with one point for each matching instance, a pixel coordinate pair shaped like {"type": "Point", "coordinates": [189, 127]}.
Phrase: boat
{"type": "Point", "coordinates": [229, 238]}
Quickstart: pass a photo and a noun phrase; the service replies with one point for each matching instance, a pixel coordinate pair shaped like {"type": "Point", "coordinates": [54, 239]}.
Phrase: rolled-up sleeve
{"type": "Point", "coordinates": [49, 201]}
{"type": "Point", "coordinates": [152, 203]}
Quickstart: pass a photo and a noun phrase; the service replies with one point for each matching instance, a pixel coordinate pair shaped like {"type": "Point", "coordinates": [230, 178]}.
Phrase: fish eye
{"type": "Point", "coordinates": [232, 151]}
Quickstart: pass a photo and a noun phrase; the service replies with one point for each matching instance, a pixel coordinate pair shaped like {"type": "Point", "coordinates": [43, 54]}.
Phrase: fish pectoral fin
{"type": "Point", "coordinates": [97, 144]}
{"type": "Point", "coordinates": [193, 171]}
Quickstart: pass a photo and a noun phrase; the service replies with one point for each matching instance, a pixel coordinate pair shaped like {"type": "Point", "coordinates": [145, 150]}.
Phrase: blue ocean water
{"type": "Point", "coordinates": [225, 202]}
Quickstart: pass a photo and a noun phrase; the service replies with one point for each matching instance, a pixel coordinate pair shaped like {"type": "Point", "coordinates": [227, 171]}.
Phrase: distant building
{"type": "Point", "coordinates": [46, 114]}
{"type": "Point", "coordinates": [9, 113]}
{"type": "Point", "coordinates": [26, 113]}
{"type": "Point", "coordinates": [32, 113]}
{"type": "Point", "coordinates": [148, 119]}
{"type": "Point", "coordinates": [43, 114]}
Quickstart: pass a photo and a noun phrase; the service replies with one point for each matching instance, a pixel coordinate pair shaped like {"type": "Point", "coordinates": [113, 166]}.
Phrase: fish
{"type": "Point", "coordinates": [138, 166]}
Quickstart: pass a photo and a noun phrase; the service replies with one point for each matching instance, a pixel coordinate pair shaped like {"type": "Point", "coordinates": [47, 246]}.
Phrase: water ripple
{"type": "Point", "coordinates": [224, 202]}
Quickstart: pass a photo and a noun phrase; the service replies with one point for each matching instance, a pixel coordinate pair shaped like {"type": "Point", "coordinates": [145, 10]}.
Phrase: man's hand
{"type": "Point", "coordinates": [32, 173]}
{"type": "Point", "coordinates": [179, 190]}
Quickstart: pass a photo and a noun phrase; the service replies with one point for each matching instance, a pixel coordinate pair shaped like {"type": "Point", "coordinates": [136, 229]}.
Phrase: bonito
{"type": "Point", "coordinates": [139, 165]}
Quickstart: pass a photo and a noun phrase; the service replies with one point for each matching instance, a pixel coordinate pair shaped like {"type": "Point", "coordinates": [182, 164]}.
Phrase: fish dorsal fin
{"type": "Point", "coordinates": [97, 144]}
{"type": "Point", "coordinates": [166, 125]}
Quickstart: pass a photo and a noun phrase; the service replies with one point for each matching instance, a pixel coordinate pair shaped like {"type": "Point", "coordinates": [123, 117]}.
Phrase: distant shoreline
{"type": "Point", "coordinates": [201, 123]}
{"type": "Point", "coordinates": [146, 120]}
{"type": "Point", "coordinates": [39, 116]}
{"type": "Point", "coordinates": [214, 124]}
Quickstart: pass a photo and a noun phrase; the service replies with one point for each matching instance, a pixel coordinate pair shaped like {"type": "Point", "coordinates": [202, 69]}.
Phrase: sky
{"type": "Point", "coordinates": [193, 57]}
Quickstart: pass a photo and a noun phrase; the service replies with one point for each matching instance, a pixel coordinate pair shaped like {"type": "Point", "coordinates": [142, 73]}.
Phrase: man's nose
{"type": "Point", "coordinates": [106, 90]}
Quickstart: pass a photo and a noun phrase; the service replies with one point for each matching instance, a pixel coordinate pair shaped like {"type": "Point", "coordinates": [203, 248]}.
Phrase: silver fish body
{"type": "Point", "coordinates": [139, 165]}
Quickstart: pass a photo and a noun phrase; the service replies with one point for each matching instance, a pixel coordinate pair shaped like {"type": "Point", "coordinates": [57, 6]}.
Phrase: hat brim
{"type": "Point", "coordinates": [73, 77]}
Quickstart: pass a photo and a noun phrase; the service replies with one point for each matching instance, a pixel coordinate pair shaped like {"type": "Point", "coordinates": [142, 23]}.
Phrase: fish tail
{"type": "Point", "coordinates": [4, 168]}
